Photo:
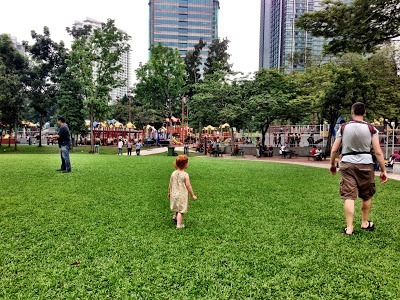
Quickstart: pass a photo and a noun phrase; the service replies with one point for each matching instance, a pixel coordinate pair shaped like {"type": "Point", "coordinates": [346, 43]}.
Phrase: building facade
{"type": "Point", "coordinates": [180, 24]}
{"type": "Point", "coordinates": [19, 46]}
{"type": "Point", "coordinates": [282, 45]}
{"type": "Point", "coordinates": [125, 61]}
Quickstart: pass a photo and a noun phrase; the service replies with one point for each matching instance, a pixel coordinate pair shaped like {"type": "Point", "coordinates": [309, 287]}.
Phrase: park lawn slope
{"type": "Point", "coordinates": [259, 230]}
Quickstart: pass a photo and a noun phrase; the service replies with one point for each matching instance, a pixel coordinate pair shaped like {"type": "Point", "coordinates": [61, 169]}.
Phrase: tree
{"type": "Point", "coordinates": [270, 98]}
{"type": "Point", "coordinates": [351, 83]}
{"type": "Point", "coordinates": [130, 108]}
{"type": "Point", "coordinates": [311, 87]}
{"type": "Point", "coordinates": [193, 63]}
{"type": "Point", "coordinates": [208, 101]}
{"type": "Point", "coordinates": [161, 81]}
{"type": "Point", "coordinates": [218, 101]}
{"type": "Point", "coordinates": [360, 26]}
{"type": "Point", "coordinates": [218, 57]}
{"type": "Point", "coordinates": [46, 68]}
{"type": "Point", "coordinates": [13, 67]}
{"type": "Point", "coordinates": [382, 69]}
{"type": "Point", "coordinates": [94, 62]}
{"type": "Point", "coordinates": [70, 104]}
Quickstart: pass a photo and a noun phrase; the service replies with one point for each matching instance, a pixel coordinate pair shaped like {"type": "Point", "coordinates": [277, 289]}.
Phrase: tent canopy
{"type": "Point", "coordinates": [130, 125]}
{"type": "Point", "coordinates": [209, 127]}
{"type": "Point", "coordinates": [226, 125]}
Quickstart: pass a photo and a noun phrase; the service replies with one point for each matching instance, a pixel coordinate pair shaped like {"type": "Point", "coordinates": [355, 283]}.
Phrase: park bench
{"type": "Point", "coordinates": [289, 154]}
{"type": "Point", "coordinates": [217, 152]}
{"type": "Point", "coordinates": [315, 157]}
{"type": "Point", "coordinates": [240, 152]}
{"type": "Point", "coordinates": [267, 153]}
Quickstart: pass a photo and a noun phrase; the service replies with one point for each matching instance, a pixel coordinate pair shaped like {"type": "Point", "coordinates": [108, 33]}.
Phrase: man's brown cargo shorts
{"type": "Point", "coordinates": [357, 180]}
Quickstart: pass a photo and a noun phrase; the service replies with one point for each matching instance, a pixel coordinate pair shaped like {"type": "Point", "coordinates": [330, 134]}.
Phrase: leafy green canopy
{"type": "Point", "coordinates": [47, 66]}
{"type": "Point", "coordinates": [13, 67]}
{"type": "Point", "coordinates": [357, 27]}
{"type": "Point", "coordinates": [93, 68]}
{"type": "Point", "coordinates": [161, 81]}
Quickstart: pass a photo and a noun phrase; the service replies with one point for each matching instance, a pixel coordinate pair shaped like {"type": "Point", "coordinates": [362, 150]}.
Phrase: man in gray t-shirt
{"type": "Point", "coordinates": [356, 166]}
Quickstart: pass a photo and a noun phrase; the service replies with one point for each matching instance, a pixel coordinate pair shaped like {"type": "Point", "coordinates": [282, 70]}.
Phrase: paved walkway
{"type": "Point", "coordinates": [148, 151]}
{"type": "Point", "coordinates": [303, 161]}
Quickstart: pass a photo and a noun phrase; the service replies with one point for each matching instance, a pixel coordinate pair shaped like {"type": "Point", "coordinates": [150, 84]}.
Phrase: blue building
{"type": "Point", "coordinates": [181, 24]}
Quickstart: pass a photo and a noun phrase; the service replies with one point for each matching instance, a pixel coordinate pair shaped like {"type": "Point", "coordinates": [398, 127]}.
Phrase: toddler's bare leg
{"type": "Point", "coordinates": [179, 218]}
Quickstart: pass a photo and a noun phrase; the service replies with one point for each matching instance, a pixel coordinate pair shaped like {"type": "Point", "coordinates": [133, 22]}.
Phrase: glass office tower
{"type": "Point", "coordinates": [181, 24]}
{"type": "Point", "coordinates": [282, 45]}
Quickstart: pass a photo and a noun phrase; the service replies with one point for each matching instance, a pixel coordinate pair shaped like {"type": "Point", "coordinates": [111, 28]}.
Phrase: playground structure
{"type": "Point", "coordinates": [172, 132]}
{"type": "Point", "coordinates": [176, 131]}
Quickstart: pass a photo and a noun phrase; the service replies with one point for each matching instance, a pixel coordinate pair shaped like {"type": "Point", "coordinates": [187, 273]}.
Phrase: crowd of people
{"type": "Point", "coordinates": [129, 145]}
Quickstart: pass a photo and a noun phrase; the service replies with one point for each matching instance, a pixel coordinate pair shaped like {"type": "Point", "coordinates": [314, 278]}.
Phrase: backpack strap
{"type": "Point", "coordinates": [370, 126]}
{"type": "Point", "coordinates": [355, 153]}
{"type": "Point", "coordinates": [371, 129]}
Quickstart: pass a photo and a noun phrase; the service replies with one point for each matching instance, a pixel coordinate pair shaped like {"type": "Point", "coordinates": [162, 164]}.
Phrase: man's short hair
{"type": "Point", "coordinates": [61, 119]}
{"type": "Point", "coordinates": [358, 108]}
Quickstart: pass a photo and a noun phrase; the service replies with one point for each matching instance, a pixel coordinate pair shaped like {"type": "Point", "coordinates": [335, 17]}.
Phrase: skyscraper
{"type": "Point", "coordinates": [19, 46]}
{"type": "Point", "coordinates": [180, 24]}
{"type": "Point", "coordinates": [125, 61]}
{"type": "Point", "coordinates": [282, 45]}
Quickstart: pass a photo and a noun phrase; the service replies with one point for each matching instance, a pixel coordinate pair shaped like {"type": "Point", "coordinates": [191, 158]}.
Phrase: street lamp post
{"type": "Point", "coordinates": [183, 119]}
{"type": "Point", "coordinates": [129, 113]}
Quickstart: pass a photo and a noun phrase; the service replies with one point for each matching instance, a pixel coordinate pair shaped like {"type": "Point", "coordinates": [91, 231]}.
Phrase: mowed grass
{"type": "Point", "coordinates": [258, 231]}
{"type": "Point", "coordinates": [52, 149]}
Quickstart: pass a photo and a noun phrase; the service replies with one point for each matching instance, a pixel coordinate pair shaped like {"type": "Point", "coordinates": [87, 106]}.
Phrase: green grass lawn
{"type": "Point", "coordinates": [51, 149]}
{"type": "Point", "coordinates": [258, 231]}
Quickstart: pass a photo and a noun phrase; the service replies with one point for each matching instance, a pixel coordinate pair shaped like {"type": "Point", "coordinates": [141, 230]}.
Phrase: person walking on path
{"type": "Point", "coordinates": [64, 143]}
{"type": "Point", "coordinates": [97, 146]}
{"type": "Point", "coordinates": [357, 137]}
{"type": "Point", "coordinates": [179, 190]}
{"type": "Point", "coordinates": [129, 146]}
{"type": "Point", "coordinates": [138, 146]}
{"type": "Point", "coordinates": [120, 145]}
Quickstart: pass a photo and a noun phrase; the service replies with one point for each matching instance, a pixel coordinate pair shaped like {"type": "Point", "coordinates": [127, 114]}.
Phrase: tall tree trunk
{"type": "Point", "coordinates": [40, 131]}
{"type": "Point", "coordinates": [264, 130]}
{"type": "Point", "coordinates": [232, 140]}
{"type": "Point", "coordinates": [9, 136]}
{"type": "Point", "coordinates": [16, 134]}
{"type": "Point", "coordinates": [91, 131]}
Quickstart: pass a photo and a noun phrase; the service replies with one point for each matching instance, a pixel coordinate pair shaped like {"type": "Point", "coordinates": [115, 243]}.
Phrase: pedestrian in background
{"type": "Point", "coordinates": [138, 147]}
{"type": "Point", "coordinates": [64, 143]}
{"type": "Point", "coordinates": [120, 145]}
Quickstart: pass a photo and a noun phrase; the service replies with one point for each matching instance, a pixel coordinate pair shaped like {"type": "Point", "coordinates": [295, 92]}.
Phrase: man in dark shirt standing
{"type": "Point", "coordinates": [64, 142]}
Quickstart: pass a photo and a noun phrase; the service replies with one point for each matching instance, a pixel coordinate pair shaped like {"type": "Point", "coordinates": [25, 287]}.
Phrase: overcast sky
{"type": "Point", "coordinates": [239, 22]}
